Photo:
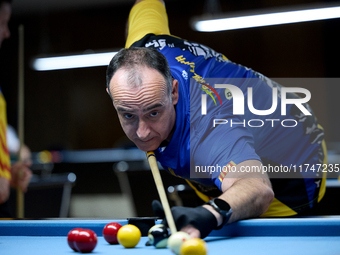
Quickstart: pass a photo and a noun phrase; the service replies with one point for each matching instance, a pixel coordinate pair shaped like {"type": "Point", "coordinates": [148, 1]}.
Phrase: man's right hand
{"type": "Point", "coordinates": [21, 175]}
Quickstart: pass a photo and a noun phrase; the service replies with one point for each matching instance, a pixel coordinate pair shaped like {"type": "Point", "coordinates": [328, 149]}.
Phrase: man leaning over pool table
{"type": "Point", "coordinates": [149, 84]}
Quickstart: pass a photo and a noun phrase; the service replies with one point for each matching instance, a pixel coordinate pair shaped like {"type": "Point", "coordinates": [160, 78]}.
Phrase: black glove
{"type": "Point", "coordinates": [199, 217]}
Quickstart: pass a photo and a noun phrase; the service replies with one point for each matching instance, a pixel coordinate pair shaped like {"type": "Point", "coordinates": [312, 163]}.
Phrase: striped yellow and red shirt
{"type": "Point", "coordinates": [5, 162]}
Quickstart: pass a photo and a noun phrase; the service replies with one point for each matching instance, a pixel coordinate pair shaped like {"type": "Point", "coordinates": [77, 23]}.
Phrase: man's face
{"type": "Point", "coordinates": [5, 14]}
{"type": "Point", "coordinates": [145, 111]}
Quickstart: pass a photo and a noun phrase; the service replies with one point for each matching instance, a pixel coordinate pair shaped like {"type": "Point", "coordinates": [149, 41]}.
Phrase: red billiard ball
{"type": "Point", "coordinates": [110, 232]}
{"type": "Point", "coordinates": [71, 237]}
{"type": "Point", "coordinates": [86, 240]}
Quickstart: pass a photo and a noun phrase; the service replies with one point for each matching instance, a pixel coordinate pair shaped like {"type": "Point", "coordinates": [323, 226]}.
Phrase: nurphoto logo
{"type": "Point", "coordinates": [238, 104]}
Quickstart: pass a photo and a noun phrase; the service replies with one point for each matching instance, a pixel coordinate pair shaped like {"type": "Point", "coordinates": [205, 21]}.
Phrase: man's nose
{"type": "Point", "coordinates": [143, 130]}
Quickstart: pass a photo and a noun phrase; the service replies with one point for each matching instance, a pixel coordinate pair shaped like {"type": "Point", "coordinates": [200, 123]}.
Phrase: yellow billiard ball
{"type": "Point", "coordinates": [129, 235]}
{"type": "Point", "coordinates": [193, 246]}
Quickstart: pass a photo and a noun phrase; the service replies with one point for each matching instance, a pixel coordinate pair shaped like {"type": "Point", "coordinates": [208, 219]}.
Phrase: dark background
{"type": "Point", "coordinates": [69, 109]}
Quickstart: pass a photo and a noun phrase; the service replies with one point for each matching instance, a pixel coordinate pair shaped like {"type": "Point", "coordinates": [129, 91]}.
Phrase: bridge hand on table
{"type": "Point", "coordinates": [197, 222]}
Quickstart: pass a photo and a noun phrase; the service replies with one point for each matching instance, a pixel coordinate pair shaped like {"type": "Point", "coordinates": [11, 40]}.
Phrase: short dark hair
{"type": "Point", "coordinates": [139, 56]}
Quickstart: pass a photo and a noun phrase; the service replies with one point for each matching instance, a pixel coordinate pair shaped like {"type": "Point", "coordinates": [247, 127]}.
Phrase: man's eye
{"type": "Point", "coordinates": [128, 116]}
{"type": "Point", "coordinates": [153, 114]}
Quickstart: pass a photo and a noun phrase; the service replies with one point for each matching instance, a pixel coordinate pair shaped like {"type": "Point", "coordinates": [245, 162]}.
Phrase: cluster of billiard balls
{"type": "Point", "coordinates": [85, 240]}
{"type": "Point", "coordinates": [179, 243]}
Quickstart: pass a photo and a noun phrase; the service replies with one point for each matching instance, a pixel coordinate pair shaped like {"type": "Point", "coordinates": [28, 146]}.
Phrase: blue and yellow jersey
{"type": "Point", "coordinates": [5, 163]}
{"type": "Point", "coordinates": [196, 142]}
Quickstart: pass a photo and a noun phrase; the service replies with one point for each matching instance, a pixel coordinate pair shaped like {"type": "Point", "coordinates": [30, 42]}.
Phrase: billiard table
{"type": "Point", "coordinates": [309, 235]}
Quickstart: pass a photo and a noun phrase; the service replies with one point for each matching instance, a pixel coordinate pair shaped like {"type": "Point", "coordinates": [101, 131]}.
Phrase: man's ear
{"type": "Point", "coordinates": [174, 92]}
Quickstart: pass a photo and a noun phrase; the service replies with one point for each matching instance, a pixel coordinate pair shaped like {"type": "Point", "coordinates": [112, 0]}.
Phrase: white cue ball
{"type": "Point", "coordinates": [175, 241]}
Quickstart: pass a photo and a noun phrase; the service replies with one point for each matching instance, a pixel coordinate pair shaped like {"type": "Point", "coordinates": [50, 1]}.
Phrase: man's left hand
{"type": "Point", "coordinates": [197, 222]}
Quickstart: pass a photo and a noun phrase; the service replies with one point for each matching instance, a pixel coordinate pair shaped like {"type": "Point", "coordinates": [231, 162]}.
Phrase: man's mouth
{"type": "Point", "coordinates": [145, 141]}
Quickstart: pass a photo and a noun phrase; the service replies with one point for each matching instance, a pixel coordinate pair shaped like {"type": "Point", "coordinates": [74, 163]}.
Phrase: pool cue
{"type": "Point", "coordinates": [20, 194]}
{"type": "Point", "coordinates": [161, 192]}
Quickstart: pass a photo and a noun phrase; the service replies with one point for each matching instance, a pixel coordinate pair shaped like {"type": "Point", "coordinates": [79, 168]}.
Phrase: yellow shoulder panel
{"type": "Point", "coordinates": [148, 16]}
